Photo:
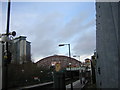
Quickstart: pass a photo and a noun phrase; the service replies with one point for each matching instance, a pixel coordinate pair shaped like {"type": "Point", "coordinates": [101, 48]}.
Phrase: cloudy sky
{"type": "Point", "coordinates": [48, 24]}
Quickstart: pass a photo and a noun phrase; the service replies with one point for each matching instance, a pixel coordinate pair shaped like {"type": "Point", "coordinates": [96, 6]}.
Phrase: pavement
{"type": "Point", "coordinates": [76, 85]}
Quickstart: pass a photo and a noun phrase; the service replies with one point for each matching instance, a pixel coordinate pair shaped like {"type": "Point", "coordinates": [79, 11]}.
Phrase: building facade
{"type": "Point", "coordinates": [88, 64]}
{"type": "Point", "coordinates": [107, 44]}
{"type": "Point", "coordinates": [21, 50]}
{"type": "Point", "coordinates": [63, 60]}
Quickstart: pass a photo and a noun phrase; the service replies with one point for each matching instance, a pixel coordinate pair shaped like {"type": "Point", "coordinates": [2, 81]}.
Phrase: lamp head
{"type": "Point", "coordinates": [13, 33]}
{"type": "Point", "coordinates": [61, 44]}
{"type": "Point", "coordinates": [74, 56]}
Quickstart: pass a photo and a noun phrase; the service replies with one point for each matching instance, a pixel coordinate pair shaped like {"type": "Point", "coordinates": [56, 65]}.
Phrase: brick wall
{"type": "Point", "coordinates": [63, 60]}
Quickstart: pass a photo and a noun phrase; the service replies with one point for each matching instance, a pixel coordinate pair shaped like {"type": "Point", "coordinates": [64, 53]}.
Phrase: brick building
{"type": "Point", "coordinates": [63, 60]}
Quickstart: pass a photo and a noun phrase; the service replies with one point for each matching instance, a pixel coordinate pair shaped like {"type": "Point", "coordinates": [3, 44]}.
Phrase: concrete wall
{"type": "Point", "coordinates": [22, 51]}
{"type": "Point", "coordinates": [0, 66]}
{"type": "Point", "coordinates": [107, 44]}
{"type": "Point", "coordinates": [119, 43]}
{"type": "Point", "coordinates": [28, 51]}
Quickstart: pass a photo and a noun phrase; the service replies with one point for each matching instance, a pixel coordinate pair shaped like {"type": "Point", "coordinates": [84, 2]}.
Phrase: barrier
{"type": "Point", "coordinates": [59, 80]}
{"type": "Point", "coordinates": [43, 85]}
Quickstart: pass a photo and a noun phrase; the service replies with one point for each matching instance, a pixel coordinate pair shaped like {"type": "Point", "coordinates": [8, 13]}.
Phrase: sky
{"type": "Point", "coordinates": [48, 24]}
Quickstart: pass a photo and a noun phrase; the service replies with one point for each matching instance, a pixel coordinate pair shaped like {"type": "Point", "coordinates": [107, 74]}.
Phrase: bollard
{"type": "Point", "coordinates": [59, 81]}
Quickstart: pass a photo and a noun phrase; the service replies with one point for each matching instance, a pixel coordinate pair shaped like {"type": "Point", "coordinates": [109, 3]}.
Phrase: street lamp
{"type": "Point", "coordinates": [4, 38]}
{"type": "Point", "coordinates": [5, 64]}
{"type": "Point", "coordinates": [77, 56]}
{"type": "Point", "coordinates": [80, 77]}
{"type": "Point", "coordinates": [68, 48]}
{"type": "Point", "coordinates": [69, 63]}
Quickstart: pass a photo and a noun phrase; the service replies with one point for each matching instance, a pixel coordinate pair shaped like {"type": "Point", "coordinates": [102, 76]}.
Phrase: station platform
{"type": "Point", "coordinates": [76, 85]}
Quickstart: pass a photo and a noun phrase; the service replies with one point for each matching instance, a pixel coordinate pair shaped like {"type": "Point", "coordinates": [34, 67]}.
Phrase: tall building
{"type": "Point", "coordinates": [21, 50]}
{"type": "Point", "coordinates": [107, 44]}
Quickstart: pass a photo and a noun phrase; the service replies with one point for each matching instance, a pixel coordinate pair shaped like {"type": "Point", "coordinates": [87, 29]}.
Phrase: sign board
{"type": "Point", "coordinates": [57, 67]}
{"type": "Point", "coordinates": [75, 68]}
{"type": "Point", "coordinates": [53, 63]}
{"type": "Point", "coordinates": [0, 66]}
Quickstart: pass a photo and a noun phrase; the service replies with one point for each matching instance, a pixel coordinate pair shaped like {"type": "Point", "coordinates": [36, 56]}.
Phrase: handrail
{"type": "Point", "coordinates": [36, 85]}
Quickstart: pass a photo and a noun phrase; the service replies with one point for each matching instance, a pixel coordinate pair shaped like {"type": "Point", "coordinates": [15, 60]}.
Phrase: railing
{"type": "Point", "coordinates": [43, 85]}
{"type": "Point", "coordinates": [36, 86]}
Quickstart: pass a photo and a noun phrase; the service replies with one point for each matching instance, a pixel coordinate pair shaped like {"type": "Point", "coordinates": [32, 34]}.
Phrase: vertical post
{"type": "Point", "coordinates": [70, 67]}
{"type": "Point", "coordinates": [59, 80]}
{"type": "Point", "coordinates": [7, 28]}
{"type": "Point", "coordinates": [70, 61]}
{"type": "Point", "coordinates": [79, 66]}
{"type": "Point", "coordinates": [5, 62]}
{"type": "Point", "coordinates": [8, 18]}
{"type": "Point", "coordinates": [69, 50]}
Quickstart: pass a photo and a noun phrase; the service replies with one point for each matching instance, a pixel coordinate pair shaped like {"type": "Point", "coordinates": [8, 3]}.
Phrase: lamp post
{"type": "Point", "coordinates": [80, 76]}
{"type": "Point", "coordinates": [77, 56]}
{"type": "Point", "coordinates": [5, 65]}
{"type": "Point", "coordinates": [6, 52]}
{"type": "Point", "coordinates": [68, 48]}
{"type": "Point", "coordinates": [69, 63]}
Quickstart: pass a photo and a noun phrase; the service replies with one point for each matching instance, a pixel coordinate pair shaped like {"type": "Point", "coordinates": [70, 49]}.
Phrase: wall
{"type": "Point", "coordinates": [107, 44]}
{"type": "Point", "coordinates": [0, 66]}
{"type": "Point", "coordinates": [22, 51]}
{"type": "Point", "coordinates": [64, 61]}
{"type": "Point", "coordinates": [28, 51]}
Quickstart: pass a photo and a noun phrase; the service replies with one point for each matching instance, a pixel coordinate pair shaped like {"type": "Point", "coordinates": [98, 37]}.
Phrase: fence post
{"type": "Point", "coordinates": [59, 80]}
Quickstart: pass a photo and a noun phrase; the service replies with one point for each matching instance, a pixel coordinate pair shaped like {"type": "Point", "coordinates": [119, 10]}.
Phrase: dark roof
{"type": "Point", "coordinates": [28, 42]}
{"type": "Point", "coordinates": [21, 37]}
{"type": "Point", "coordinates": [87, 59]}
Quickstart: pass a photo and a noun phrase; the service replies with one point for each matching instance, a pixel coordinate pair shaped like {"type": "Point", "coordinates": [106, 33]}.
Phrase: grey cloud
{"type": "Point", "coordinates": [49, 34]}
{"type": "Point", "coordinates": [86, 43]}
{"type": "Point", "coordinates": [44, 48]}
{"type": "Point", "coordinates": [76, 26]}
{"type": "Point", "coordinates": [89, 24]}
{"type": "Point", "coordinates": [44, 33]}
{"type": "Point", "coordinates": [47, 31]}
{"type": "Point", "coordinates": [41, 32]}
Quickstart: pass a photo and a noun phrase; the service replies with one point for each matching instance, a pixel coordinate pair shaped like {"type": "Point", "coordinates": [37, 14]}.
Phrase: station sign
{"type": "Point", "coordinates": [57, 67]}
{"type": "Point", "coordinates": [75, 68]}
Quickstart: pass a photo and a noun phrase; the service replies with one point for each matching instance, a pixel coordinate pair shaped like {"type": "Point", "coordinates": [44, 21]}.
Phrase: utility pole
{"type": "Point", "coordinates": [5, 56]}
{"type": "Point", "coordinates": [71, 76]}
{"type": "Point", "coordinates": [70, 68]}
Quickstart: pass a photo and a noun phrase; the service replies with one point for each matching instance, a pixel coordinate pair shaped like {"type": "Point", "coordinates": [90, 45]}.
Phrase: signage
{"type": "Point", "coordinates": [75, 68]}
{"type": "Point", "coordinates": [57, 67]}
